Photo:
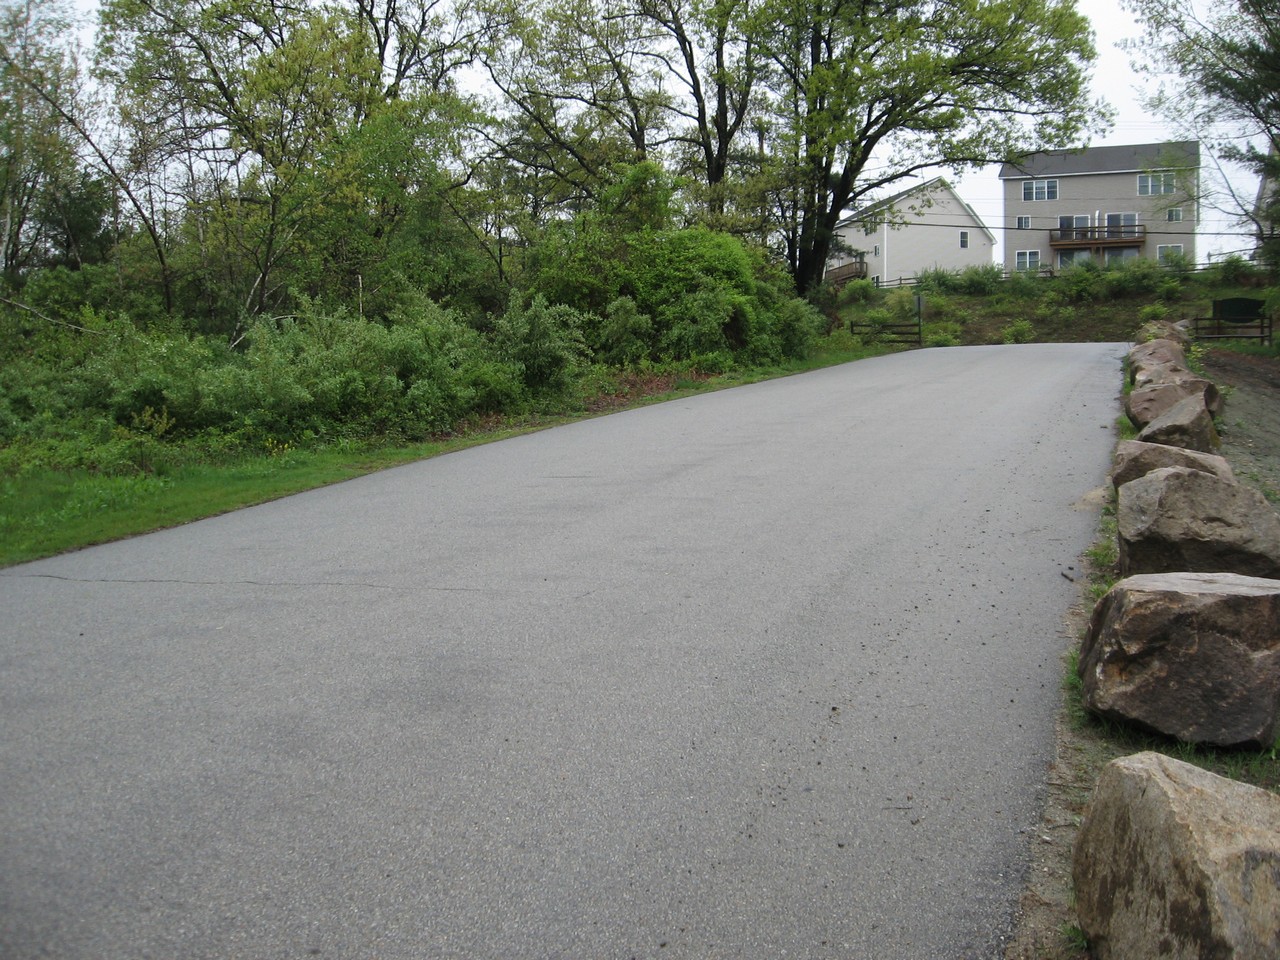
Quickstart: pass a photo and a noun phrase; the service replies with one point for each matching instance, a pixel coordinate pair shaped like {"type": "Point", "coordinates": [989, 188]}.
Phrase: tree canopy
{"type": "Point", "coordinates": [243, 155]}
{"type": "Point", "coordinates": [1221, 67]}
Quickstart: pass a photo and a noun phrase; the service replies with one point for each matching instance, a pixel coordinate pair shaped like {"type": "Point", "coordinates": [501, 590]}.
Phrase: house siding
{"type": "Point", "coordinates": [1091, 197]}
{"type": "Point", "coordinates": [930, 239]}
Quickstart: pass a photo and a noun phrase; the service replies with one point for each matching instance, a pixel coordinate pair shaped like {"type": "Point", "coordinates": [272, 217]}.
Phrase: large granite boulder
{"type": "Point", "coordinates": [1186, 424]}
{"type": "Point", "coordinates": [1194, 656]}
{"type": "Point", "coordinates": [1135, 458]}
{"type": "Point", "coordinates": [1151, 401]}
{"type": "Point", "coordinates": [1177, 519]}
{"type": "Point", "coordinates": [1154, 353]}
{"type": "Point", "coordinates": [1177, 863]}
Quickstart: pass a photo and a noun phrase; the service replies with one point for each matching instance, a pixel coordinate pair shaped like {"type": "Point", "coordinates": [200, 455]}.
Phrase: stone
{"type": "Point", "coordinates": [1177, 863]}
{"type": "Point", "coordinates": [1163, 330]}
{"type": "Point", "coordinates": [1213, 399]}
{"type": "Point", "coordinates": [1194, 656]}
{"type": "Point", "coordinates": [1159, 372]}
{"type": "Point", "coordinates": [1158, 397]}
{"type": "Point", "coordinates": [1155, 353]}
{"type": "Point", "coordinates": [1176, 519]}
{"type": "Point", "coordinates": [1135, 458]}
{"type": "Point", "coordinates": [1186, 424]}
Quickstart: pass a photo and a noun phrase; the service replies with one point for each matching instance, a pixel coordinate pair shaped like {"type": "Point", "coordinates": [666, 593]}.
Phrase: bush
{"type": "Point", "coordinates": [981, 281]}
{"type": "Point", "coordinates": [938, 280]}
{"type": "Point", "coordinates": [1019, 331]}
{"type": "Point", "coordinates": [1153, 313]}
{"type": "Point", "coordinates": [1235, 271]}
{"type": "Point", "coordinates": [942, 334]}
{"type": "Point", "coordinates": [857, 291]}
{"type": "Point", "coordinates": [1081, 283]}
{"type": "Point", "coordinates": [544, 342]}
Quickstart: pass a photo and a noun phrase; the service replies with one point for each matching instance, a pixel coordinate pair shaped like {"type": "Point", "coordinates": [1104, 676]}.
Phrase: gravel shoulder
{"type": "Point", "coordinates": [1250, 430]}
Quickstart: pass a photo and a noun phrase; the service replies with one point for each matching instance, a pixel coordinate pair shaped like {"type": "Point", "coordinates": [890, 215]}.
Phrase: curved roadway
{"type": "Point", "coordinates": [764, 673]}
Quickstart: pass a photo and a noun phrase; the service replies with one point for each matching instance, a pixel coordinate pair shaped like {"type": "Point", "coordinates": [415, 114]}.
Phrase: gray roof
{"type": "Point", "coordinates": [1130, 158]}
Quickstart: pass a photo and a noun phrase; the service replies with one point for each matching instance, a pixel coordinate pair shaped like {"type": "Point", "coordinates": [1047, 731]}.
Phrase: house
{"type": "Point", "coordinates": [1105, 204]}
{"type": "Point", "coordinates": [925, 227]}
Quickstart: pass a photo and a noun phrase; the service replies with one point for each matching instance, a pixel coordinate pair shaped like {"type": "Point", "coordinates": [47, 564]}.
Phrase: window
{"type": "Point", "coordinates": [1173, 215]}
{"type": "Point", "coordinates": [1117, 257]}
{"type": "Point", "coordinates": [964, 239]}
{"type": "Point", "coordinates": [1074, 227]}
{"type": "Point", "coordinates": [1028, 260]}
{"type": "Point", "coordinates": [1120, 225]}
{"type": "Point", "coordinates": [877, 251]}
{"type": "Point", "coordinates": [1166, 250]}
{"type": "Point", "coordinates": [1069, 258]}
{"type": "Point", "coordinates": [1040, 190]}
{"type": "Point", "coordinates": [1154, 184]}
{"type": "Point", "coordinates": [1024, 223]}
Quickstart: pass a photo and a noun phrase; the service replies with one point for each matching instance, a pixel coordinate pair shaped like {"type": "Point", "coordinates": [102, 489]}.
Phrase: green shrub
{"type": "Point", "coordinates": [1081, 283]}
{"type": "Point", "coordinates": [938, 280]}
{"type": "Point", "coordinates": [941, 334]}
{"type": "Point", "coordinates": [1018, 331]}
{"type": "Point", "coordinates": [981, 281]}
{"type": "Point", "coordinates": [543, 341]}
{"type": "Point", "coordinates": [1153, 313]}
{"type": "Point", "coordinates": [857, 291]}
{"type": "Point", "coordinates": [1235, 270]}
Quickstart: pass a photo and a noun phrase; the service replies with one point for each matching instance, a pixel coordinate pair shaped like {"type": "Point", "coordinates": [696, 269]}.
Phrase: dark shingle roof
{"type": "Point", "coordinates": [1130, 158]}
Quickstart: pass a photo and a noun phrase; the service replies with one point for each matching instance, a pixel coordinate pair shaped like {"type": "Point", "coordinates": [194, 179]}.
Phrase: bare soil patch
{"type": "Point", "coordinates": [1250, 428]}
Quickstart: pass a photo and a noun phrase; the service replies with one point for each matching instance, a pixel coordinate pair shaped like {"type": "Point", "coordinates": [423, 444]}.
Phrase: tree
{"type": "Point", "coordinates": [869, 92]}
{"type": "Point", "coordinates": [53, 210]}
{"type": "Point", "coordinates": [1225, 90]}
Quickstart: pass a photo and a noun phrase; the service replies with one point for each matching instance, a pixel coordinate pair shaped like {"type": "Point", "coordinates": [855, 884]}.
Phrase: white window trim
{"type": "Point", "coordinates": [1173, 215]}
{"type": "Point", "coordinates": [1023, 223]}
{"type": "Point", "coordinates": [964, 239]}
{"type": "Point", "coordinates": [1022, 261]}
{"type": "Point", "coordinates": [1165, 249]}
{"type": "Point", "coordinates": [1157, 184]}
{"type": "Point", "coordinates": [1046, 187]}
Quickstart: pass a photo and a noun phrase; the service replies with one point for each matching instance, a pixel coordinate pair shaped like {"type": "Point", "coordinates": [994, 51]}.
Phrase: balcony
{"type": "Point", "coordinates": [855, 270]}
{"type": "Point", "coordinates": [1119, 235]}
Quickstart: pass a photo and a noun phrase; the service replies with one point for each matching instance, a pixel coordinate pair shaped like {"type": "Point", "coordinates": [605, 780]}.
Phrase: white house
{"type": "Point", "coordinates": [926, 227]}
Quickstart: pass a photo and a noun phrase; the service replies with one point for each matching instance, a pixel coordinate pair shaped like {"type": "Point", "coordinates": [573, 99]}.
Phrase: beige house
{"type": "Point", "coordinates": [1105, 204]}
{"type": "Point", "coordinates": [926, 227]}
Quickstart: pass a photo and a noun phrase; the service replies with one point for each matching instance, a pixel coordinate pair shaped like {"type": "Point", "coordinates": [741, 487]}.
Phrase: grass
{"type": "Point", "coordinates": [45, 511]}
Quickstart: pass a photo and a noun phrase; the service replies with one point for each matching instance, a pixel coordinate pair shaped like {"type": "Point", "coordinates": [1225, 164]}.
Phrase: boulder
{"type": "Point", "coordinates": [1134, 458]}
{"type": "Point", "coordinates": [1155, 353]}
{"type": "Point", "coordinates": [1156, 398]}
{"type": "Point", "coordinates": [1186, 424]}
{"type": "Point", "coordinates": [1174, 862]}
{"type": "Point", "coordinates": [1159, 372]}
{"type": "Point", "coordinates": [1194, 656]}
{"type": "Point", "coordinates": [1213, 398]}
{"type": "Point", "coordinates": [1178, 519]}
{"type": "Point", "coordinates": [1163, 330]}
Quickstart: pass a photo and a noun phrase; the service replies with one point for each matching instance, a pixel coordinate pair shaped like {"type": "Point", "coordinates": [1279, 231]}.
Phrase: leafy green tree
{"type": "Point", "coordinates": [869, 92]}
{"type": "Point", "coordinates": [1226, 61]}
{"type": "Point", "coordinates": [53, 210]}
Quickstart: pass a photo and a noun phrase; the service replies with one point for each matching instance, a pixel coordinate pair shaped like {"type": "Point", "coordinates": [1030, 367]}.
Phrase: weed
{"type": "Point", "coordinates": [1074, 937]}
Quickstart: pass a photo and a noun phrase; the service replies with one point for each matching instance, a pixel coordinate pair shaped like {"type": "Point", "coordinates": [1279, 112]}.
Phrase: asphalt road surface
{"type": "Point", "coordinates": [764, 673]}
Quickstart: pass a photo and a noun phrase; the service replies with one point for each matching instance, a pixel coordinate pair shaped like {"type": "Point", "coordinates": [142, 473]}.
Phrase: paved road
{"type": "Point", "coordinates": [764, 673]}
